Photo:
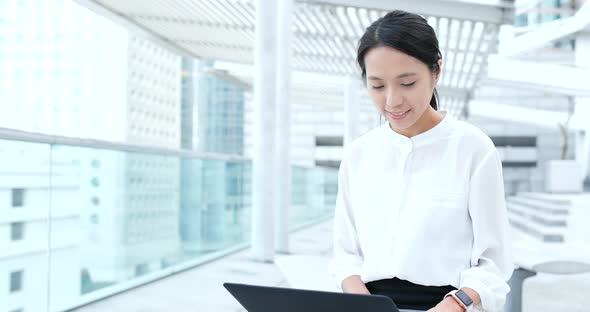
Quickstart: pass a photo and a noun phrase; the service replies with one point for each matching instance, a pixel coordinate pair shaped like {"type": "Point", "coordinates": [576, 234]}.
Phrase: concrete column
{"type": "Point", "coordinates": [283, 127]}
{"type": "Point", "coordinates": [582, 109]}
{"type": "Point", "coordinates": [351, 109]}
{"type": "Point", "coordinates": [263, 154]}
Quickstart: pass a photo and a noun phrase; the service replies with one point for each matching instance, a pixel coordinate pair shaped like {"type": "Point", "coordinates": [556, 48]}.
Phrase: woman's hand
{"type": "Point", "coordinates": [447, 305]}
{"type": "Point", "coordinates": [354, 285]}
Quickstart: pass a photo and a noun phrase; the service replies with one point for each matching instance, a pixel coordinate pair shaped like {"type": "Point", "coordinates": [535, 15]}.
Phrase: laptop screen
{"type": "Point", "coordinates": [272, 299]}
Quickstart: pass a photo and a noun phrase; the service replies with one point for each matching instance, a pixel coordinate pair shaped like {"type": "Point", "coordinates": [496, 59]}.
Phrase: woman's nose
{"type": "Point", "coordinates": [392, 100]}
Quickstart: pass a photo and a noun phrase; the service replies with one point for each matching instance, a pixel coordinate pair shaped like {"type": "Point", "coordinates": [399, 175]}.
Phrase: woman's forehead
{"type": "Point", "coordinates": [388, 60]}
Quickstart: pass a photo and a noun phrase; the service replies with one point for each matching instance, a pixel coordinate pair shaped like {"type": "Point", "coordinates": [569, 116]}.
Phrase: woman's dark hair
{"type": "Point", "coordinates": [405, 32]}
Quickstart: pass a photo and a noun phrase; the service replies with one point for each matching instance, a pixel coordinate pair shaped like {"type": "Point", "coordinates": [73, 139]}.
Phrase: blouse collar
{"type": "Point", "coordinates": [442, 129]}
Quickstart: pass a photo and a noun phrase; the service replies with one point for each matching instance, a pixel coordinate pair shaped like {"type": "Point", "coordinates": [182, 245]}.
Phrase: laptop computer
{"type": "Point", "coordinates": [271, 299]}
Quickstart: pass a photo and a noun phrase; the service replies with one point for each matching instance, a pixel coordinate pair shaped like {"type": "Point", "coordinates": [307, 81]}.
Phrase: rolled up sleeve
{"type": "Point", "coordinates": [491, 259]}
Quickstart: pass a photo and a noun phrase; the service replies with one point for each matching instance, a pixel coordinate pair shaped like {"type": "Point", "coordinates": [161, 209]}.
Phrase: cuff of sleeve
{"type": "Point", "coordinates": [488, 302]}
{"type": "Point", "coordinates": [341, 272]}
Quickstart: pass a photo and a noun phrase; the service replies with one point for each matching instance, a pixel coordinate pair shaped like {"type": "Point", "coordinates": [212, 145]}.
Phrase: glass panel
{"type": "Point", "coordinates": [120, 216]}
{"type": "Point", "coordinates": [313, 195]}
{"type": "Point", "coordinates": [115, 217]}
{"type": "Point", "coordinates": [214, 211]}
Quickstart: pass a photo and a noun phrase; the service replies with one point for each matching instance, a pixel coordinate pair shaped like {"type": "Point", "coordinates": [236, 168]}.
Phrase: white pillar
{"type": "Point", "coordinates": [283, 127]}
{"type": "Point", "coordinates": [263, 186]}
{"type": "Point", "coordinates": [351, 109]}
{"type": "Point", "coordinates": [582, 109]}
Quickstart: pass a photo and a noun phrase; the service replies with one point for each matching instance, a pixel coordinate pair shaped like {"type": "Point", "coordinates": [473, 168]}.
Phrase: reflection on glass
{"type": "Point", "coordinates": [313, 194]}
{"type": "Point", "coordinates": [25, 187]}
{"type": "Point", "coordinates": [117, 216]}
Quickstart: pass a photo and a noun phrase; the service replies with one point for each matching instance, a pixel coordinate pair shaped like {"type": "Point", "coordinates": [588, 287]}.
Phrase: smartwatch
{"type": "Point", "coordinates": [462, 299]}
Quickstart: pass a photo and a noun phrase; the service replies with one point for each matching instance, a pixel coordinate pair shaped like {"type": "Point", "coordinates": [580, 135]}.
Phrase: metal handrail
{"type": "Point", "coordinates": [19, 135]}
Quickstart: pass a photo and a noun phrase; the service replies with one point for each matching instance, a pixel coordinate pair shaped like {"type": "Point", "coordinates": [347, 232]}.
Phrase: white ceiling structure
{"type": "Point", "coordinates": [545, 33]}
{"type": "Point", "coordinates": [325, 32]}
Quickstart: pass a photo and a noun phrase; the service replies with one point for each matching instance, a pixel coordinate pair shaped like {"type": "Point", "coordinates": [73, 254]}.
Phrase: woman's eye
{"type": "Point", "coordinates": [408, 84]}
{"type": "Point", "coordinates": [377, 87]}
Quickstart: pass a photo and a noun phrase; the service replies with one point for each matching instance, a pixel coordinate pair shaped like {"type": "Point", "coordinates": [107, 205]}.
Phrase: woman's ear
{"type": "Point", "coordinates": [437, 74]}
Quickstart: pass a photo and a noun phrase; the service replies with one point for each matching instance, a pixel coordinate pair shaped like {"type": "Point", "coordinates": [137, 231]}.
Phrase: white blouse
{"type": "Point", "coordinates": [429, 209]}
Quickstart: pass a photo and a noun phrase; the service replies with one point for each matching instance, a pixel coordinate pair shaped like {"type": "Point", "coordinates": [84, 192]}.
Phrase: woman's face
{"type": "Point", "coordinates": [400, 85]}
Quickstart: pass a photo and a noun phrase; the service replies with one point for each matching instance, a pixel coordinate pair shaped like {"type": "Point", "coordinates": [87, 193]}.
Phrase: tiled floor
{"type": "Point", "coordinates": [200, 289]}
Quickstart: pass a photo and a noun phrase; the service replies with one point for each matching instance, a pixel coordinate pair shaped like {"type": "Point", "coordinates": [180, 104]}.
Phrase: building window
{"type": "Point", "coordinates": [17, 231]}
{"type": "Point", "coordinates": [16, 281]}
{"type": "Point", "coordinates": [95, 200]}
{"type": "Point", "coordinates": [18, 197]}
{"type": "Point", "coordinates": [141, 269]}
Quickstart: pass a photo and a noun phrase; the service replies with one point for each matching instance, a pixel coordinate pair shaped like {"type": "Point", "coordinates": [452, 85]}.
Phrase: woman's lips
{"type": "Point", "coordinates": [399, 117]}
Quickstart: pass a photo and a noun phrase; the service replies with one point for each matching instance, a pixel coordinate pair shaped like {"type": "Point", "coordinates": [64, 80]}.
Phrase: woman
{"type": "Point", "coordinates": [420, 215]}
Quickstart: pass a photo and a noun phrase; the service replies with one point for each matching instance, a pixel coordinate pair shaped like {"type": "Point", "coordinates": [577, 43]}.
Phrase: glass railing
{"type": "Point", "coordinates": [313, 195]}
{"type": "Point", "coordinates": [81, 223]}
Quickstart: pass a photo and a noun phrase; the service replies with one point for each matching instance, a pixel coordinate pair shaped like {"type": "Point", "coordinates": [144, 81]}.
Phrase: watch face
{"type": "Point", "coordinates": [464, 298]}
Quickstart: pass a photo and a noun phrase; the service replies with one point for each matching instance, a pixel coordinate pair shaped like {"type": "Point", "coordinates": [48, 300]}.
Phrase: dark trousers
{"type": "Point", "coordinates": [408, 295]}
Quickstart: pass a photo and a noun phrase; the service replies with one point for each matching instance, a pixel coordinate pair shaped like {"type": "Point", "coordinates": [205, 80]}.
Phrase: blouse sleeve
{"type": "Point", "coordinates": [348, 257]}
{"type": "Point", "coordinates": [491, 260]}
